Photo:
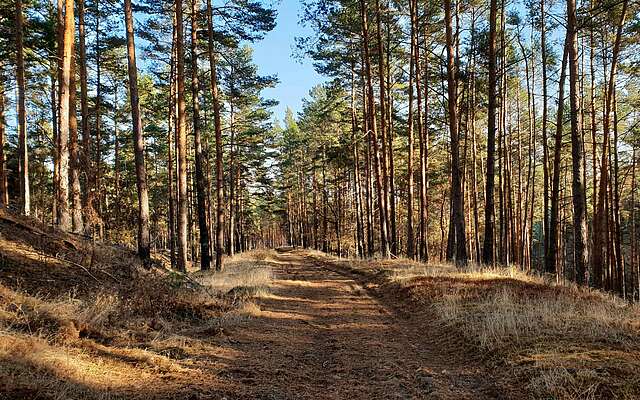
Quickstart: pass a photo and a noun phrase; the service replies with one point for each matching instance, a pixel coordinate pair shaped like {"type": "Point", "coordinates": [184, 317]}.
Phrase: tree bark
{"type": "Point", "coordinates": [170, 149]}
{"type": "Point", "coordinates": [472, 108]}
{"type": "Point", "coordinates": [231, 167]}
{"type": "Point", "coordinates": [549, 265]}
{"type": "Point", "coordinates": [64, 217]}
{"type": "Point", "coordinates": [384, 243]}
{"type": "Point", "coordinates": [581, 253]}
{"type": "Point", "coordinates": [615, 189]}
{"type": "Point", "coordinates": [488, 255]}
{"type": "Point", "coordinates": [58, 105]}
{"type": "Point", "coordinates": [551, 257]}
{"type": "Point", "coordinates": [23, 155]}
{"type": "Point", "coordinates": [144, 251]}
{"type": "Point", "coordinates": [84, 111]}
{"type": "Point", "coordinates": [181, 142]}
{"type": "Point", "coordinates": [74, 153]}
{"type": "Point", "coordinates": [4, 193]}
{"type": "Point", "coordinates": [423, 136]}
{"type": "Point", "coordinates": [410, 172]}
{"type": "Point", "coordinates": [457, 199]}
{"type": "Point", "coordinates": [384, 207]}
{"type": "Point", "coordinates": [117, 162]}
{"type": "Point", "coordinates": [201, 183]}
{"type": "Point", "coordinates": [592, 112]}
{"type": "Point", "coordinates": [601, 217]}
{"type": "Point", "coordinates": [95, 192]}
{"type": "Point", "coordinates": [359, 233]}
{"type": "Point", "coordinates": [218, 132]}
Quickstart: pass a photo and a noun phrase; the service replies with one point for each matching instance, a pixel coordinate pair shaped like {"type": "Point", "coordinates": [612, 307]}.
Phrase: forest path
{"type": "Point", "coordinates": [321, 335]}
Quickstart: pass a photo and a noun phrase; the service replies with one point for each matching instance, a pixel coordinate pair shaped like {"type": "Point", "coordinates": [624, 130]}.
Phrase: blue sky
{"type": "Point", "coordinates": [274, 56]}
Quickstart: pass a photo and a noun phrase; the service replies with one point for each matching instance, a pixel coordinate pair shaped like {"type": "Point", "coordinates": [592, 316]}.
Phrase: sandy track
{"type": "Point", "coordinates": [320, 335]}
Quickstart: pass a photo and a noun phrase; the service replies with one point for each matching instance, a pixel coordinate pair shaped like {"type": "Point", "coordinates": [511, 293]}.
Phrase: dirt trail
{"type": "Point", "coordinates": [320, 335]}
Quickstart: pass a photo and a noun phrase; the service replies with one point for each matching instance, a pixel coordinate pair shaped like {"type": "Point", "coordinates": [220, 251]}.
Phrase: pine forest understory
{"type": "Point", "coordinates": [462, 135]}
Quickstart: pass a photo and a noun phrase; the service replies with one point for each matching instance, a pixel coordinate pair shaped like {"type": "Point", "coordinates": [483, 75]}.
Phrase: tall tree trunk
{"type": "Point", "coordinates": [581, 253]}
{"type": "Point", "coordinates": [592, 112]}
{"type": "Point", "coordinates": [368, 192]}
{"type": "Point", "coordinates": [201, 182]}
{"type": "Point", "coordinates": [521, 226]}
{"type": "Point", "coordinates": [170, 149]}
{"type": "Point", "coordinates": [601, 215]}
{"type": "Point", "coordinates": [472, 107]}
{"type": "Point", "coordinates": [551, 257]}
{"type": "Point", "coordinates": [635, 272]}
{"type": "Point", "coordinates": [424, 154]}
{"type": "Point", "coordinates": [84, 111]}
{"type": "Point", "coordinates": [501, 245]}
{"type": "Point", "coordinates": [356, 171]}
{"type": "Point", "coordinates": [617, 231]}
{"type": "Point", "coordinates": [410, 172]}
{"type": "Point", "coordinates": [338, 212]}
{"type": "Point", "coordinates": [181, 142]}
{"type": "Point", "coordinates": [64, 217]}
{"type": "Point", "coordinates": [530, 186]}
{"type": "Point", "coordinates": [488, 255]}
{"type": "Point", "coordinates": [457, 199]}
{"type": "Point", "coordinates": [218, 131]}
{"type": "Point", "coordinates": [325, 204]}
{"type": "Point", "coordinates": [58, 90]}
{"type": "Point", "coordinates": [117, 162]}
{"type": "Point", "coordinates": [237, 212]}
{"type": "Point", "coordinates": [232, 188]}
{"type": "Point", "coordinates": [423, 135]}
{"type": "Point", "coordinates": [144, 251]}
{"type": "Point", "coordinates": [383, 127]}
{"type": "Point", "coordinates": [23, 154]}
{"type": "Point", "coordinates": [74, 153]}
{"type": "Point", "coordinates": [96, 190]}
{"type": "Point", "coordinates": [4, 193]}
{"type": "Point", "coordinates": [384, 243]}
{"type": "Point", "coordinates": [191, 198]}
{"type": "Point", "coordinates": [53, 78]}
{"type": "Point", "coordinates": [549, 265]}
{"type": "Point", "coordinates": [314, 185]}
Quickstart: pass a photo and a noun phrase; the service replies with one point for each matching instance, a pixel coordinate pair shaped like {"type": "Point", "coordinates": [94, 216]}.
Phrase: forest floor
{"type": "Point", "coordinates": [79, 320]}
{"type": "Point", "coordinates": [322, 334]}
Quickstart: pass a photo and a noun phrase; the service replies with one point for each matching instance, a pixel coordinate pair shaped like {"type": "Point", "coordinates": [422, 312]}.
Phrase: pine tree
{"type": "Point", "coordinates": [144, 251]}
{"type": "Point", "coordinates": [181, 142]}
{"type": "Point", "coordinates": [581, 255]}
{"type": "Point", "coordinates": [23, 153]}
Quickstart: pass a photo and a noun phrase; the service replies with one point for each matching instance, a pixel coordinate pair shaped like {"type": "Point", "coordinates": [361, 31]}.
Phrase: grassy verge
{"type": "Point", "coordinates": [84, 321]}
{"type": "Point", "coordinates": [560, 341]}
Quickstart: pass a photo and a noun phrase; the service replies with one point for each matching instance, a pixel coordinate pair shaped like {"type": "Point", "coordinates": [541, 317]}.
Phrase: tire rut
{"type": "Point", "coordinates": [323, 335]}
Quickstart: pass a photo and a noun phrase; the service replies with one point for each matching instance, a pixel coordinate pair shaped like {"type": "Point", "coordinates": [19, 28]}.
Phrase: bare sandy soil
{"type": "Point", "coordinates": [324, 333]}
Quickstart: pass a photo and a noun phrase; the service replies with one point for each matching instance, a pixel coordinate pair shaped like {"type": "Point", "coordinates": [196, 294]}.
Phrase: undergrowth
{"type": "Point", "coordinates": [82, 320]}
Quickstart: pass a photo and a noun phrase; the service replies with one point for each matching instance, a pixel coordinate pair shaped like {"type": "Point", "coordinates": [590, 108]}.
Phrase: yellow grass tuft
{"type": "Point", "coordinates": [247, 270]}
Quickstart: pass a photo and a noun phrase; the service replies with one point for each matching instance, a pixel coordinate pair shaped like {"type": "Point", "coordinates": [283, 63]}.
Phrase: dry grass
{"type": "Point", "coordinates": [561, 341]}
{"type": "Point", "coordinates": [510, 316]}
{"type": "Point", "coordinates": [92, 323]}
{"type": "Point", "coordinates": [251, 271]}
